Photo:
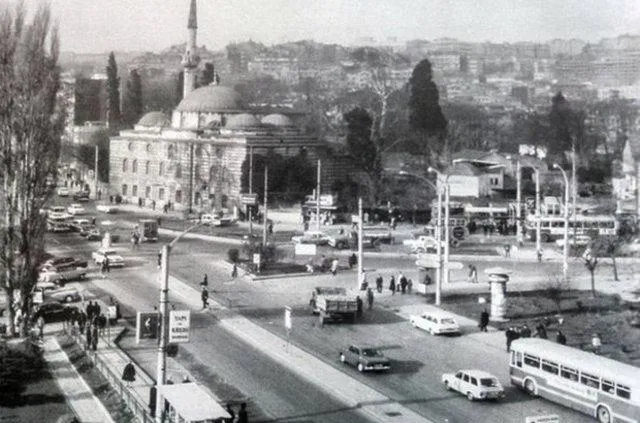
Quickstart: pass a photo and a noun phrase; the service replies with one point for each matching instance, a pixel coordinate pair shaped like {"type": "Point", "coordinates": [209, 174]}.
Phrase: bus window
{"type": "Point", "coordinates": [550, 366]}
{"type": "Point", "coordinates": [623, 391]}
{"type": "Point", "coordinates": [569, 373]}
{"type": "Point", "coordinates": [589, 380]}
{"type": "Point", "coordinates": [559, 224]}
{"type": "Point", "coordinates": [608, 386]}
{"type": "Point", "coordinates": [532, 361]}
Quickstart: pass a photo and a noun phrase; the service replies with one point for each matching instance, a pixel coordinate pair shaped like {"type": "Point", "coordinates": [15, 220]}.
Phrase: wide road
{"type": "Point", "coordinates": [215, 355]}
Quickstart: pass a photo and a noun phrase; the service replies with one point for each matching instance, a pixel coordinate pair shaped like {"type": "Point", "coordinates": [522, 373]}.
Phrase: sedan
{"type": "Point", "coordinates": [63, 192]}
{"type": "Point", "coordinates": [106, 208]}
{"type": "Point", "coordinates": [53, 226]}
{"type": "Point", "coordinates": [577, 241]}
{"type": "Point", "coordinates": [312, 237]}
{"type": "Point", "coordinates": [436, 323]}
{"type": "Point", "coordinates": [365, 358]}
{"type": "Point", "coordinates": [53, 311]}
{"type": "Point", "coordinates": [94, 235]}
{"type": "Point", "coordinates": [75, 209]}
{"type": "Point", "coordinates": [475, 384]}
{"type": "Point", "coordinates": [52, 291]}
{"type": "Point", "coordinates": [61, 275]}
{"type": "Point", "coordinates": [115, 260]}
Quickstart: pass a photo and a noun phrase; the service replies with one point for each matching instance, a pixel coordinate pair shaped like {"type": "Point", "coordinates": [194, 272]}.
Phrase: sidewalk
{"type": "Point", "coordinates": [81, 399]}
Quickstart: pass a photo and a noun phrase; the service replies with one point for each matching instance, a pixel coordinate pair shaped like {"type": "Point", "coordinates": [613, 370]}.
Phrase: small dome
{"type": "Point", "coordinates": [277, 119]}
{"type": "Point", "coordinates": [154, 119]}
{"type": "Point", "coordinates": [243, 120]}
{"type": "Point", "coordinates": [212, 99]}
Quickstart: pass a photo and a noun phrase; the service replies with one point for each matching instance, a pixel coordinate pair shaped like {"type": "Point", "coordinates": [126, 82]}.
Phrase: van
{"type": "Point", "coordinates": [436, 322]}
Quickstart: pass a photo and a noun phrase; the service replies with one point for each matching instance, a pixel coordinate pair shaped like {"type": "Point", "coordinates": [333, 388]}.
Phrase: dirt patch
{"type": "Point", "coordinates": [112, 401]}
{"type": "Point", "coordinates": [576, 313]}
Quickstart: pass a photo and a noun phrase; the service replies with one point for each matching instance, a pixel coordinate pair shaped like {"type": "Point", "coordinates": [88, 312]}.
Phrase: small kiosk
{"type": "Point", "coordinates": [190, 403]}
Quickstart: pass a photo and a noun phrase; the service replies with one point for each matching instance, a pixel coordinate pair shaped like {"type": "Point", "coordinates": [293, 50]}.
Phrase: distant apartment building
{"type": "Point", "coordinates": [572, 47]}
{"type": "Point", "coordinates": [281, 68]}
{"type": "Point", "coordinates": [444, 62]}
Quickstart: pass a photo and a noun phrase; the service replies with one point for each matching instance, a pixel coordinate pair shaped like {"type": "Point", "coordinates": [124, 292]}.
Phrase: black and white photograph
{"type": "Point", "coordinates": [391, 211]}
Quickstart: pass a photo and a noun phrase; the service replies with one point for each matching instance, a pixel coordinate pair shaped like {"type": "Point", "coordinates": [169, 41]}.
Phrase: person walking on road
{"type": "Point", "coordinates": [234, 271]}
{"type": "Point", "coordinates": [129, 373]}
{"type": "Point", "coordinates": [370, 298]}
{"type": "Point", "coordinates": [403, 283]}
{"type": "Point", "coordinates": [242, 414]}
{"type": "Point", "coordinates": [392, 285]}
{"type": "Point", "coordinates": [205, 281]}
{"type": "Point", "coordinates": [334, 266]}
{"type": "Point", "coordinates": [205, 297]}
{"type": "Point", "coordinates": [473, 274]}
{"type": "Point", "coordinates": [560, 338]}
{"type": "Point", "coordinates": [379, 282]}
{"type": "Point", "coordinates": [353, 260]}
{"type": "Point", "coordinates": [484, 320]}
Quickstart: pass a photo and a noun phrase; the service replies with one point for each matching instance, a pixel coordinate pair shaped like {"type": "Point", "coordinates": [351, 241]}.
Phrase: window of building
{"type": "Point", "coordinates": [147, 192]}
{"type": "Point", "coordinates": [171, 151]}
{"type": "Point", "coordinates": [124, 165]}
{"type": "Point", "coordinates": [161, 194]}
{"type": "Point", "coordinates": [178, 196]}
{"type": "Point", "coordinates": [178, 171]}
{"type": "Point", "coordinates": [161, 169]}
{"type": "Point", "coordinates": [134, 166]}
{"type": "Point", "coordinates": [134, 190]}
{"type": "Point", "coordinates": [130, 146]}
{"type": "Point", "coordinates": [124, 189]}
{"type": "Point", "coordinates": [198, 151]}
{"type": "Point", "coordinates": [147, 165]}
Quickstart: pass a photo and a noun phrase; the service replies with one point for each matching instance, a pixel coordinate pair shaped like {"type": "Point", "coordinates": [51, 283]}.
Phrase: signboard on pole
{"type": "Point", "coordinates": [305, 249]}
{"type": "Point", "coordinates": [249, 199]}
{"type": "Point", "coordinates": [179, 325]}
{"type": "Point", "coordinates": [146, 325]}
{"type": "Point", "coordinates": [553, 418]}
{"type": "Point", "coordinates": [287, 318]}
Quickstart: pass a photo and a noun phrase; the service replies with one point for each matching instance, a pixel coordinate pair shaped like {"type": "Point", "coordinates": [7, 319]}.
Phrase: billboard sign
{"type": "Point", "coordinates": [179, 325]}
{"type": "Point", "coordinates": [249, 199]}
{"type": "Point", "coordinates": [146, 325]}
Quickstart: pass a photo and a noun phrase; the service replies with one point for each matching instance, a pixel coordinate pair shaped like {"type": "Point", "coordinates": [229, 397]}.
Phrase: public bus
{"type": "Point", "coordinates": [592, 384]}
{"type": "Point", "coordinates": [552, 227]}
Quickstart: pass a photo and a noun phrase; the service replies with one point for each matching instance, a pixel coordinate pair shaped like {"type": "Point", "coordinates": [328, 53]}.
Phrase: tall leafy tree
{"type": "Point", "coordinates": [425, 115]}
{"type": "Point", "coordinates": [363, 149]}
{"type": "Point", "coordinates": [31, 125]}
{"type": "Point", "coordinates": [560, 118]}
{"type": "Point", "coordinates": [113, 90]}
{"type": "Point", "coordinates": [208, 75]}
{"type": "Point", "coordinates": [132, 106]}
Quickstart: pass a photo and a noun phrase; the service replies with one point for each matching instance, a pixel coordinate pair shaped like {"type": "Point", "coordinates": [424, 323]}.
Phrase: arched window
{"type": "Point", "coordinates": [171, 151]}
{"type": "Point", "coordinates": [196, 171]}
{"type": "Point", "coordinates": [146, 167]}
{"type": "Point", "coordinates": [161, 169]}
{"type": "Point", "coordinates": [178, 171]}
{"type": "Point", "coordinates": [134, 166]}
{"type": "Point", "coordinates": [124, 165]}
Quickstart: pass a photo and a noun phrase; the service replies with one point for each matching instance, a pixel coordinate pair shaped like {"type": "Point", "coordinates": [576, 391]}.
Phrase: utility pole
{"type": "Point", "coordinates": [250, 207]}
{"type": "Point", "coordinates": [360, 272]}
{"type": "Point", "coordinates": [439, 247]}
{"type": "Point", "coordinates": [565, 260]}
{"type": "Point", "coordinates": [318, 198]}
{"type": "Point", "coordinates": [574, 185]}
{"type": "Point", "coordinates": [538, 214]}
{"type": "Point", "coordinates": [518, 203]}
{"type": "Point", "coordinates": [95, 174]}
{"type": "Point", "coordinates": [447, 235]}
{"type": "Point", "coordinates": [266, 184]}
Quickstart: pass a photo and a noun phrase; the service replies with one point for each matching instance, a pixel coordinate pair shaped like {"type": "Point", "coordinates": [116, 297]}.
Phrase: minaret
{"type": "Point", "coordinates": [191, 59]}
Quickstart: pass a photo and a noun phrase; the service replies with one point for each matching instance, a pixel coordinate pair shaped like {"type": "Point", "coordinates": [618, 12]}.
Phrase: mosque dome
{"type": "Point", "coordinates": [277, 119]}
{"type": "Point", "coordinates": [212, 99]}
{"type": "Point", "coordinates": [243, 120]}
{"type": "Point", "coordinates": [154, 119]}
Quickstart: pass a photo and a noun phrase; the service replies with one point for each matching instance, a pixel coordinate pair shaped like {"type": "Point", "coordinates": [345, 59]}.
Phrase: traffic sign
{"type": "Point", "coordinates": [179, 325]}
{"type": "Point", "coordinates": [249, 199]}
{"type": "Point", "coordinates": [458, 232]}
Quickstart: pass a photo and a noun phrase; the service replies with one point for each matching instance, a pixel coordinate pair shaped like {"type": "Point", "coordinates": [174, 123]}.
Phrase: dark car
{"type": "Point", "coordinates": [365, 358]}
{"type": "Point", "coordinates": [81, 196]}
{"type": "Point", "coordinates": [53, 311]}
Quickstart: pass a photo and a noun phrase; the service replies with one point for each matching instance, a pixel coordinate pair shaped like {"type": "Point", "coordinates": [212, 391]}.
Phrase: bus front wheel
{"type": "Point", "coordinates": [530, 387]}
{"type": "Point", "coordinates": [603, 414]}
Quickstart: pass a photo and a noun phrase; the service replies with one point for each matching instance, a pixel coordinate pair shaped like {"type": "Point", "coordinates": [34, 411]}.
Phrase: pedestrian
{"type": "Point", "coordinates": [270, 228]}
{"type": "Point", "coordinates": [94, 336]}
{"type": "Point", "coordinates": [353, 260]}
{"type": "Point", "coordinates": [539, 254]}
{"type": "Point", "coordinates": [379, 282]}
{"type": "Point", "coordinates": [129, 373]}
{"type": "Point", "coordinates": [392, 285]}
{"type": "Point", "coordinates": [140, 202]}
{"type": "Point", "coordinates": [510, 335]}
{"type": "Point", "coordinates": [234, 271]}
{"type": "Point", "coordinates": [334, 266]}
{"type": "Point", "coordinates": [88, 334]}
{"type": "Point", "coordinates": [205, 281]}
{"type": "Point", "coordinates": [370, 298]}
{"type": "Point", "coordinates": [40, 326]}
{"type": "Point", "coordinates": [409, 286]}
{"type": "Point", "coordinates": [89, 309]}
{"type": "Point", "coordinates": [153, 205]}
{"type": "Point", "coordinates": [507, 251]}
{"type": "Point", "coordinates": [242, 414]}
{"type": "Point", "coordinates": [525, 332]}
{"type": "Point", "coordinates": [205, 297]}
{"type": "Point", "coordinates": [106, 264]}
{"type": "Point", "coordinates": [153, 392]}
{"type": "Point", "coordinates": [541, 330]}
{"type": "Point", "coordinates": [358, 306]}
{"type": "Point", "coordinates": [99, 195]}
{"type": "Point", "coordinates": [560, 338]}
{"type": "Point", "coordinates": [484, 320]}
{"type": "Point", "coordinates": [232, 414]}
{"type": "Point", "coordinates": [596, 343]}
{"type": "Point", "coordinates": [473, 274]}
{"type": "Point", "coordinates": [403, 283]}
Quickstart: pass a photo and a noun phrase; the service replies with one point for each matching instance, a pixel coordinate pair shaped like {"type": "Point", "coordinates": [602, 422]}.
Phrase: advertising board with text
{"type": "Point", "coordinates": [179, 326]}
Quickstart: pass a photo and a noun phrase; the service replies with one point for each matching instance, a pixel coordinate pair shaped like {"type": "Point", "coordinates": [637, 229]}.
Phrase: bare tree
{"type": "Point", "coordinates": [554, 289]}
{"type": "Point", "coordinates": [31, 124]}
{"type": "Point", "coordinates": [591, 263]}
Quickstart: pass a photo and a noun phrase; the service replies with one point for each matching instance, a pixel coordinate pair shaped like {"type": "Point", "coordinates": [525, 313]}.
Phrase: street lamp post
{"type": "Point", "coordinates": [264, 218]}
{"type": "Point", "coordinates": [565, 262]}
{"type": "Point", "coordinates": [443, 184]}
{"type": "Point", "coordinates": [518, 203]}
{"type": "Point", "coordinates": [161, 371]}
{"type": "Point", "coordinates": [360, 272]}
{"type": "Point", "coordinates": [318, 197]}
{"type": "Point", "coordinates": [538, 214]}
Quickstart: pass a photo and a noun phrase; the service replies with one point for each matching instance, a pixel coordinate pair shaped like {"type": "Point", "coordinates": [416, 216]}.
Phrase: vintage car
{"type": "Point", "coordinates": [475, 384]}
{"type": "Point", "coordinates": [75, 209]}
{"type": "Point", "coordinates": [115, 259]}
{"type": "Point", "coordinates": [61, 274]}
{"type": "Point", "coordinates": [63, 192]}
{"type": "Point", "coordinates": [52, 311]}
{"type": "Point", "coordinates": [106, 208]}
{"type": "Point", "coordinates": [53, 291]}
{"type": "Point", "coordinates": [311, 237]}
{"type": "Point", "coordinates": [365, 358]}
{"type": "Point", "coordinates": [435, 322]}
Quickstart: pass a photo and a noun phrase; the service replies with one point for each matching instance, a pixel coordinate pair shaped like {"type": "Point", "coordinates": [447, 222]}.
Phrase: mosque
{"type": "Point", "coordinates": [199, 157]}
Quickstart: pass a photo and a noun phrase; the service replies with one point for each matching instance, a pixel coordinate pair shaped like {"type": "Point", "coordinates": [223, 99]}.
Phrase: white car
{"type": "Point", "coordinates": [115, 259]}
{"type": "Point", "coordinates": [57, 213]}
{"type": "Point", "coordinates": [474, 384]}
{"type": "Point", "coordinates": [75, 209]}
{"type": "Point", "coordinates": [51, 273]}
{"type": "Point", "coordinates": [106, 208]}
{"type": "Point", "coordinates": [422, 244]}
{"type": "Point", "coordinates": [63, 192]}
{"type": "Point", "coordinates": [435, 322]}
{"type": "Point", "coordinates": [53, 291]}
{"type": "Point", "coordinates": [634, 246]}
{"type": "Point", "coordinates": [213, 220]}
{"type": "Point", "coordinates": [311, 237]}
{"type": "Point", "coordinates": [577, 241]}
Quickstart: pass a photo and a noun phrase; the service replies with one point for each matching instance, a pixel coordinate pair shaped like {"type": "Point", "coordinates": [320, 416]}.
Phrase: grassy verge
{"type": "Point", "coordinates": [112, 401]}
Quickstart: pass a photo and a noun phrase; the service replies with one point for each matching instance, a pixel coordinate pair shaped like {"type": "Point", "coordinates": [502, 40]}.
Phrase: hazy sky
{"type": "Point", "coordinates": [152, 25]}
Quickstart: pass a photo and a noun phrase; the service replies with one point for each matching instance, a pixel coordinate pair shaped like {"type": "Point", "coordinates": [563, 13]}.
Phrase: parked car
{"type": "Point", "coordinates": [115, 260]}
{"type": "Point", "coordinates": [106, 208]}
{"type": "Point", "coordinates": [82, 196]}
{"type": "Point", "coordinates": [94, 235]}
{"type": "Point", "coordinates": [575, 241]}
{"type": "Point", "coordinates": [75, 209]}
{"type": "Point", "coordinates": [339, 239]}
{"type": "Point", "coordinates": [365, 358]}
{"type": "Point", "coordinates": [57, 226]}
{"type": "Point", "coordinates": [57, 213]}
{"type": "Point", "coordinates": [67, 261]}
{"type": "Point", "coordinates": [475, 384]}
{"type": "Point", "coordinates": [61, 274]}
{"type": "Point", "coordinates": [53, 311]}
{"type": "Point", "coordinates": [63, 192]}
{"type": "Point", "coordinates": [311, 237]}
{"type": "Point", "coordinates": [53, 291]}
{"type": "Point", "coordinates": [422, 244]}
{"type": "Point", "coordinates": [78, 225]}
{"type": "Point", "coordinates": [435, 322]}
{"type": "Point", "coordinates": [215, 220]}
{"type": "Point", "coordinates": [634, 246]}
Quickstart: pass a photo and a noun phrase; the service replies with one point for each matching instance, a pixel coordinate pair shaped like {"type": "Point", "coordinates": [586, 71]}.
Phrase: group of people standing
{"type": "Point", "coordinates": [402, 285]}
{"type": "Point", "coordinates": [516, 332]}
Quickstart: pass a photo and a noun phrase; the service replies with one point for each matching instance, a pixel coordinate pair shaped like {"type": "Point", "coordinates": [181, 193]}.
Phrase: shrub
{"type": "Point", "coordinates": [233, 254]}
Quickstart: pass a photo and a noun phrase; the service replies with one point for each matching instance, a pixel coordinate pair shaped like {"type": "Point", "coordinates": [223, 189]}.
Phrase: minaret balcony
{"type": "Point", "coordinates": [190, 60]}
